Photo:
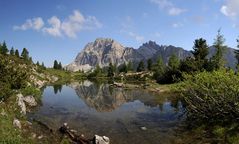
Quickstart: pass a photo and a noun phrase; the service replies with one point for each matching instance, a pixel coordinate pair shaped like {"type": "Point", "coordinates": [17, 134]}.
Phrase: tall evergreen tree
{"type": "Point", "coordinates": [123, 68]}
{"type": "Point", "coordinates": [55, 65]}
{"type": "Point", "coordinates": [173, 62]}
{"type": "Point", "coordinates": [218, 58]}
{"type": "Point", "coordinates": [200, 52]}
{"type": "Point", "coordinates": [237, 54]}
{"type": "Point", "coordinates": [4, 48]}
{"type": "Point", "coordinates": [59, 66]}
{"type": "Point", "coordinates": [150, 63]}
{"type": "Point", "coordinates": [0, 48]}
{"type": "Point", "coordinates": [38, 64]}
{"type": "Point", "coordinates": [159, 68]}
{"type": "Point", "coordinates": [16, 53]}
{"type": "Point", "coordinates": [140, 66]}
{"type": "Point", "coordinates": [130, 66]}
{"type": "Point", "coordinates": [110, 70]}
{"type": "Point", "coordinates": [25, 54]}
{"type": "Point", "coordinates": [12, 51]}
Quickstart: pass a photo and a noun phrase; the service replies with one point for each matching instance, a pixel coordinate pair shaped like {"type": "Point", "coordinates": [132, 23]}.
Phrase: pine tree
{"type": "Point", "coordinates": [25, 54]}
{"type": "Point", "coordinates": [140, 66]}
{"type": "Point", "coordinates": [38, 64]}
{"type": "Point", "coordinates": [123, 68]}
{"type": "Point", "coordinates": [4, 48]}
{"type": "Point", "coordinates": [237, 54]}
{"type": "Point", "coordinates": [12, 51]}
{"type": "Point", "coordinates": [0, 48]}
{"type": "Point", "coordinates": [200, 53]}
{"type": "Point", "coordinates": [59, 66]}
{"type": "Point", "coordinates": [110, 70]}
{"type": "Point", "coordinates": [158, 68]}
{"type": "Point", "coordinates": [42, 65]}
{"type": "Point", "coordinates": [150, 63]}
{"type": "Point", "coordinates": [55, 66]}
{"type": "Point", "coordinates": [218, 59]}
{"type": "Point", "coordinates": [130, 66]}
{"type": "Point", "coordinates": [173, 62]}
{"type": "Point", "coordinates": [16, 53]}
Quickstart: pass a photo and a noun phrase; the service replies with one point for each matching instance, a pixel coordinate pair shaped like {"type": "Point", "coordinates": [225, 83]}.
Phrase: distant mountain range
{"type": "Point", "coordinates": [105, 50]}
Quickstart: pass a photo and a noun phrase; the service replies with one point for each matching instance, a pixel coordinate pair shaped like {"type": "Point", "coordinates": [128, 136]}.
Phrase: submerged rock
{"type": "Point", "coordinates": [143, 128]}
{"type": "Point", "coordinates": [101, 140]}
{"type": "Point", "coordinates": [17, 123]}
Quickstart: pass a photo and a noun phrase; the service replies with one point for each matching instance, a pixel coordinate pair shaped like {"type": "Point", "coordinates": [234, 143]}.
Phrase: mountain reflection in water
{"type": "Point", "coordinates": [118, 113]}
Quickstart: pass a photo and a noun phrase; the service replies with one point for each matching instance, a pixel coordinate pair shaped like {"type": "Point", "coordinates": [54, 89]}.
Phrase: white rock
{"type": "Point", "coordinates": [21, 103]}
{"type": "Point", "coordinates": [30, 100]}
{"type": "Point", "coordinates": [17, 123]}
{"type": "Point", "coordinates": [101, 140]}
{"type": "Point", "coordinates": [143, 128]}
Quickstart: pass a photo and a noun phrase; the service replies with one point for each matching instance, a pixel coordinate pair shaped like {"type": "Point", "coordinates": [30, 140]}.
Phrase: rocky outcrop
{"type": "Point", "coordinates": [103, 51]}
{"type": "Point", "coordinates": [29, 100]}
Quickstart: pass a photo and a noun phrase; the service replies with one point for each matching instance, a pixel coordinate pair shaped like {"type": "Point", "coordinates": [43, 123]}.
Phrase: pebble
{"type": "Point", "coordinates": [143, 128]}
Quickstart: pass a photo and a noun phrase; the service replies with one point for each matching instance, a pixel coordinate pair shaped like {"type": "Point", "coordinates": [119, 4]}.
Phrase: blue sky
{"type": "Point", "coordinates": [59, 29]}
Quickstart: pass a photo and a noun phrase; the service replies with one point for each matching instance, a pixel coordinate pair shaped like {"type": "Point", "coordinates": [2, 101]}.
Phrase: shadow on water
{"type": "Point", "coordinates": [126, 116]}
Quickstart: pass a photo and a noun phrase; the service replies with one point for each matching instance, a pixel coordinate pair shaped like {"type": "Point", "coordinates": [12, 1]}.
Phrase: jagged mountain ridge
{"type": "Point", "coordinates": [105, 50]}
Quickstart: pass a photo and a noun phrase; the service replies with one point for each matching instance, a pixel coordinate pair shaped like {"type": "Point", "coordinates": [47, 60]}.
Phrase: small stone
{"type": "Point", "coordinates": [101, 140]}
{"type": "Point", "coordinates": [143, 128]}
{"type": "Point", "coordinates": [40, 137]}
{"type": "Point", "coordinates": [17, 123]}
{"type": "Point", "coordinates": [34, 135]}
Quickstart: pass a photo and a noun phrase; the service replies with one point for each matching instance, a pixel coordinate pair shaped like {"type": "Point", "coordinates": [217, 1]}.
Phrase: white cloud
{"type": "Point", "coordinates": [137, 37]}
{"type": "Point", "coordinates": [55, 29]}
{"type": "Point", "coordinates": [68, 27]}
{"type": "Point", "coordinates": [169, 6]}
{"type": "Point", "coordinates": [35, 24]}
{"type": "Point", "coordinates": [230, 9]}
{"type": "Point", "coordinates": [176, 11]}
{"type": "Point", "coordinates": [177, 25]}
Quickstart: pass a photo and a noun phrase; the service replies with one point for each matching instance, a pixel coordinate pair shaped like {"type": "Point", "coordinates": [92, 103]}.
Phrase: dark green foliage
{"type": "Point", "coordinates": [16, 53]}
{"type": "Point", "coordinates": [212, 97]}
{"type": "Point", "coordinates": [188, 65]}
{"type": "Point", "coordinates": [13, 75]}
{"type": "Point", "coordinates": [218, 59]}
{"type": "Point", "coordinates": [159, 68]}
{"type": "Point", "coordinates": [98, 72]}
{"type": "Point", "coordinates": [12, 51]}
{"type": "Point", "coordinates": [237, 54]}
{"type": "Point", "coordinates": [140, 67]}
{"type": "Point", "coordinates": [173, 62]}
{"type": "Point", "coordinates": [38, 64]}
{"type": "Point", "coordinates": [57, 65]}
{"type": "Point", "coordinates": [4, 49]}
{"type": "Point", "coordinates": [130, 66]}
{"type": "Point", "coordinates": [150, 64]}
{"type": "Point", "coordinates": [110, 70]}
{"type": "Point", "coordinates": [25, 54]}
{"type": "Point", "coordinates": [57, 88]}
{"type": "Point", "coordinates": [200, 53]}
{"type": "Point", "coordinates": [123, 68]}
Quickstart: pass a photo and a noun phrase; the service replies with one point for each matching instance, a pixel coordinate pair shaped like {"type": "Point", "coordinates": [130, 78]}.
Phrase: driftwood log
{"type": "Point", "coordinates": [73, 136]}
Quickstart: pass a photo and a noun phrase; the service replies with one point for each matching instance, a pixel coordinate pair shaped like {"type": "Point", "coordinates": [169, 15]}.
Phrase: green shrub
{"type": "Point", "coordinates": [212, 97]}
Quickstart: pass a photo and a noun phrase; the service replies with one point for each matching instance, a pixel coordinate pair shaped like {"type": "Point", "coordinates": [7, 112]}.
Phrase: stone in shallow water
{"type": "Point", "coordinates": [101, 140]}
{"type": "Point", "coordinates": [143, 128]}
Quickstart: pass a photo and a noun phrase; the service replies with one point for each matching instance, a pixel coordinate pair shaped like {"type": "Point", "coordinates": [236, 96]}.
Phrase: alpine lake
{"type": "Point", "coordinates": [126, 116]}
